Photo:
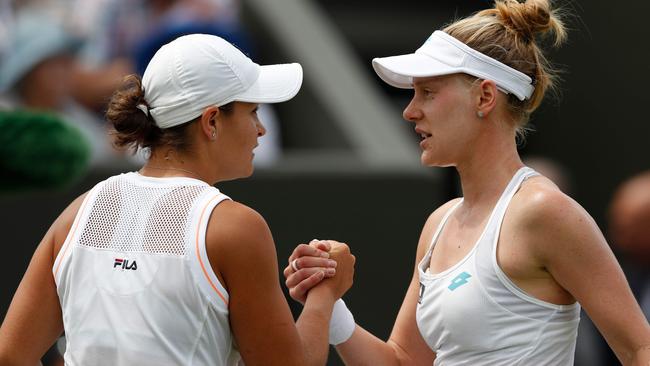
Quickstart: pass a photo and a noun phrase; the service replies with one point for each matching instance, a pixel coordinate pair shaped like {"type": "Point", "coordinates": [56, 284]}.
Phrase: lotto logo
{"type": "Point", "coordinates": [459, 280]}
{"type": "Point", "coordinates": [124, 264]}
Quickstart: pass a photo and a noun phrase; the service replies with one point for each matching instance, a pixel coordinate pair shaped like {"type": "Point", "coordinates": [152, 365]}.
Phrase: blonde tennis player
{"type": "Point", "coordinates": [501, 273]}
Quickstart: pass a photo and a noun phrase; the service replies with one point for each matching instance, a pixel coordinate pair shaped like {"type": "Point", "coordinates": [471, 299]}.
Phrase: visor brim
{"type": "Point", "coordinates": [399, 71]}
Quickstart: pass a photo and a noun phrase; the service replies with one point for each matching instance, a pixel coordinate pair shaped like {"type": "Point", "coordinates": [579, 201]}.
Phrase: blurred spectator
{"type": "Point", "coordinates": [133, 30]}
{"type": "Point", "coordinates": [36, 73]}
{"type": "Point", "coordinates": [629, 232]}
{"type": "Point", "coordinates": [123, 35]}
{"type": "Point", "coordinates": [6, 22]}
{"type": "Point", "coordinates": [92, 84]}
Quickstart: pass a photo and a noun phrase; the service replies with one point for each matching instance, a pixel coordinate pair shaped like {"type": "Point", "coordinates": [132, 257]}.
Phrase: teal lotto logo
{"type": "Point", "coordinates": [459, 280]}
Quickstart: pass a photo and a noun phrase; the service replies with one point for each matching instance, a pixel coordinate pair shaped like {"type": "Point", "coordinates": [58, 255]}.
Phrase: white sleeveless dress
{"type": "Point", "coordinates": [473, 314]}
{"type": "Point", "coordinates": [134, 280]}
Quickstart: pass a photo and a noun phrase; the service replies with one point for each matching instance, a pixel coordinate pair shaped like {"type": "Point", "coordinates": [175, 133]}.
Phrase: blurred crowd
{"type": "Point", "coordinates": [67, 57]}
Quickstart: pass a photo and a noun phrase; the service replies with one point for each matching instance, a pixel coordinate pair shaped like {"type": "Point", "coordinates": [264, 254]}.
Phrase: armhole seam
{"type": "Point", "coordinates": [500, 273]}
{"type": "Point", "coordinates": [64, 252]}
{"type": "Point", "coordinates": [209, 283]}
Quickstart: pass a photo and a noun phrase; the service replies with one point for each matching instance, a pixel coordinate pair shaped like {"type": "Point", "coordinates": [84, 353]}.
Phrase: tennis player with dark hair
{"type": "Point", "coordinates": [158, 267]}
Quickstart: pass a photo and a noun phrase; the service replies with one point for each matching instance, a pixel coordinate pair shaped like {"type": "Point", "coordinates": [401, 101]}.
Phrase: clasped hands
{"type": "Point", "coordinates": [326, 263]}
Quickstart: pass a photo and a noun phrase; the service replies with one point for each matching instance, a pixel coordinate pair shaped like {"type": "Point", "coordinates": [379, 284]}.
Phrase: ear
{"type": "Point", "coordinates": [487, 97]}
{"type": "Point", "coordinates": [209, 122]}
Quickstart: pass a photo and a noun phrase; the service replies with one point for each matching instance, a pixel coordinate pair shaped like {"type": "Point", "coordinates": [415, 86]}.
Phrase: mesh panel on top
{"type": "Point", "coordinates": [127, 217]}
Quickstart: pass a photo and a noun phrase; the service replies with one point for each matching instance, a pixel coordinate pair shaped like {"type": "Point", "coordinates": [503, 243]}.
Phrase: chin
{"type": "Point", "coordinates": [237, 175]}
{"type": "Point", "coordinates": [430, 162]}
{"type": "Point", "coordinates": [249, 172]}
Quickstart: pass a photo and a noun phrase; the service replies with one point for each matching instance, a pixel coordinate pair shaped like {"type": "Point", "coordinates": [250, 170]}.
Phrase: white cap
{"type": "Point", "coordinates": [197, 71]}
{"type": "Point", "coordinates": [443, 54]}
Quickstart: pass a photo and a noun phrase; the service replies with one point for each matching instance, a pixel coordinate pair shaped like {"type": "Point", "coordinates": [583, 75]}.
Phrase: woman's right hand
{"type": "Point", "coordinates": [342, 281]}
{"type": "Point", "coordinates": [315, 263]}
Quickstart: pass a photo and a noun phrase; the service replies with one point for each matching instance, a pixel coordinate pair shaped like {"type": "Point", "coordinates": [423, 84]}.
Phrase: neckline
{"type": "Point", "coordinates": [427, 258]}
{"type": "Point", "coordinates": [164, 180]}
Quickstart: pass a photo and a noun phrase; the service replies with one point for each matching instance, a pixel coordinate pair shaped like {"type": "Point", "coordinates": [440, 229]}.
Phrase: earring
{"type": "Point", "coordinates": [480, 114]}
{"type": "Point", "coordinates": [214, 134]}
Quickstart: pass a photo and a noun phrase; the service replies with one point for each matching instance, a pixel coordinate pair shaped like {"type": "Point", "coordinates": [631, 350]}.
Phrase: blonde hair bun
{"type": "Point", "coordinates": [509, 32]}
{"type": "Point", "coordinates": [530, 18]}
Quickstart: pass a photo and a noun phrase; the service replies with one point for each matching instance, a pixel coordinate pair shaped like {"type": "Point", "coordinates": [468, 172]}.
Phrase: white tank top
{"type": "Point", "coordinates": [473, 314]}
{"type": "Point", "coordinates": [134, 280]}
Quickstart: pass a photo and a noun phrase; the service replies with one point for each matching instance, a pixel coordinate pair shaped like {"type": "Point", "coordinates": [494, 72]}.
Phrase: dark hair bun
{"type": "Point", "coordinates": [132, 127]}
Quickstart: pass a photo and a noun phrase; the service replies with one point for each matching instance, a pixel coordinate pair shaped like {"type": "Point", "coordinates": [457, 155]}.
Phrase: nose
{"type": "Point", "coordinates": [261, 130]}
{"type": "Point", "coordinates": [412, 112]}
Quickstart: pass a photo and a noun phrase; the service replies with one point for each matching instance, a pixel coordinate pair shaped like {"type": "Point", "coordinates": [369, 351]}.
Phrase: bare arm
{"type": "Point", "coordinates": [241, 251]}
{"type": "Point", "coordinates": [572, 248]}
{"type": "Point", "coordinates": [33, 321]}
{"type": "Point", "coordinates": [405, 345]}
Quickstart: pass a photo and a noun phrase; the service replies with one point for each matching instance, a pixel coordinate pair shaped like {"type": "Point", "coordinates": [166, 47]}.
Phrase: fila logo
{"type": "Point", "coordinates": [124, 264]}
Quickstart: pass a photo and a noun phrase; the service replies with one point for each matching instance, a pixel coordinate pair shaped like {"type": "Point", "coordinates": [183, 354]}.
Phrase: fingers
{"type": "Point", "coordinates": [308, 262]}
{"type": "Point", "coordinates": [314, 255]}
{"type": "Point", "coordinates": [303, 274]}
{"type": "Point", "coordinates": [299, 292]}
{"type": "Point", "coordinates": [304, 250]}
{"type": "Point", "coordinates": [323, 245]}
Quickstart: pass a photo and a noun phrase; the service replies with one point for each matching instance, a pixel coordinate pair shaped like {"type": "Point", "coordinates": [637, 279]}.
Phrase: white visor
{"type": "Point", "coordinates": [443, 54]}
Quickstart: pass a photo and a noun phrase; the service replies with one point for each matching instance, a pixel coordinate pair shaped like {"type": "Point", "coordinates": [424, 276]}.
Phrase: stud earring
{"type": "Point", "coordinates": [214, 134]}
{"type": "Point", "coordinates": [480, 114]}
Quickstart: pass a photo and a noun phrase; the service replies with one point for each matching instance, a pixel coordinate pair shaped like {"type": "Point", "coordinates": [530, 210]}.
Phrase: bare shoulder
{"type": "Point", "coordinates": [540, 202]}
{"type": "Point", "coordinates": [550, 220]}
{"type": "Point", "coordinates": [238, 237]}
{"type": "Point", "coordinates": [431, 225]}
{"type": "Point", "coordinates": [234, 223]}
{"type": "Point", "coordinates": [436, 216]}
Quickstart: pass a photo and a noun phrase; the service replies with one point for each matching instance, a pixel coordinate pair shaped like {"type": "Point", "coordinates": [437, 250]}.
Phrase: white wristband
{"type": "Point", "coordinates": [342, 323]}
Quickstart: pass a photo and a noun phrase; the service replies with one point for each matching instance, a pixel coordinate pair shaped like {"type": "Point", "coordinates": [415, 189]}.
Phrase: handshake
{"type": "Point", "coordinates": [324, 264]}
{"type": "Point", "coordinates": [327, 268]}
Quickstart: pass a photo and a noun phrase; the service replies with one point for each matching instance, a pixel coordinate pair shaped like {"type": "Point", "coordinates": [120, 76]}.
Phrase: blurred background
{"type": "Point", "coordinates": [339, 161]}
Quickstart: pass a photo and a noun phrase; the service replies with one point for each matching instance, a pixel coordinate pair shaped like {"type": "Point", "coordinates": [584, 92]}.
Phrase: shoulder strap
{"type": "Point", "coordinates": [501, 207]}
{"type": "Point", "coordinates": [197, 255]}
{"type": "Point", "coordinates": [442, 223]}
